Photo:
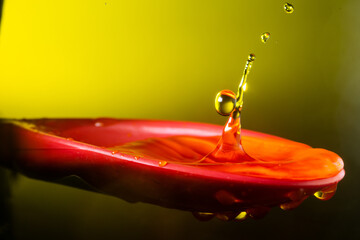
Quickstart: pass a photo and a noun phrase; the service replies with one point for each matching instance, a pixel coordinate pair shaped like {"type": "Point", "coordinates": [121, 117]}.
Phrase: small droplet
{"type": "Point", "coordinates": [99, 124]}
{"type": "Point", "coordinates": [319, 194]}
{"type": "Point", "coordinates": [225, 102]}
{"type": "Point", "coordinates": [326, 193]}
{"type": "Point", "coordinates": [251, 57]}
{"type": "Point", "coordinates": [265, 36]}
{"type": "Point", "coordinates": [288, 8]}
{"type": "Point", "coordinates": [241, 216]}
{"type": "Point", "coordinates": [136, 158]}
{"type": "Point", "coordinates": [114, 152]}
{"type": "Point", "coordinates": [162, 163]}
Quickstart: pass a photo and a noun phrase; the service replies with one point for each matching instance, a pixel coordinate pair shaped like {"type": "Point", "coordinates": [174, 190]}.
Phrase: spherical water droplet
{"type": "Point", "coordinates": [136, 158]}
{"type": "Point", "coordinates": [265, 36]}
{"type": "Point", "coordinates": [162, 163]}
{"type": "Point", "coordinates": [114, 152]}
{"type": "Point", "coordinates": [251, 57]}
{"type": "Point", "coordinates": [288, 8]}
{"type": "Point", "coordinates": [225, 102]}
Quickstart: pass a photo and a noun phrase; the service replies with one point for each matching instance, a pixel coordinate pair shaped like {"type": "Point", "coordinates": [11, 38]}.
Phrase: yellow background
{"type": "Point", "coordinates": [167, 59]}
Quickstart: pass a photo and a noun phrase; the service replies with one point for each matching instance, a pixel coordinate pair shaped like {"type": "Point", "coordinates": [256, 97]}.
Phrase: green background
{"type": "Point", "coordinates": [167, 60]}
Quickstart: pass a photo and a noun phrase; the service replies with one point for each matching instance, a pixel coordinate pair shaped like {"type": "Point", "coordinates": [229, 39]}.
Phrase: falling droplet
{"type": "Point", "coordinates": [319, 194]}
{"type": "Point", "coordinates": [288, 8]}
{"type": "Point", "coordinates": [99, 124]}
{"type": "Point", "coordinates": [264, 37]}
{"type": "Point", "coordinates": [162, 163]}
{"type": "Point", "coordinates": [251, 57]}
{"type": "Point", "coordinates": [326, 193]}
{"type": "Point", "coordinates": [241, 216]}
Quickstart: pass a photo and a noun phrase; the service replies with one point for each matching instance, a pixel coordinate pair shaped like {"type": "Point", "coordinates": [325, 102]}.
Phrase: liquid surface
{"type": "Point", "coordinates": [270, 157]}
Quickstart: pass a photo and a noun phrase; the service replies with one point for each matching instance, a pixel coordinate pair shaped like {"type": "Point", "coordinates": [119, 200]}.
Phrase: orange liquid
{"type": "Point", "coordinates": [266, 157]}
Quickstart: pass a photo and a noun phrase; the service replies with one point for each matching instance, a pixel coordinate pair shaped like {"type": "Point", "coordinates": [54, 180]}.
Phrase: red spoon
{"type": "Point", "coordinates": [55, 148]}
